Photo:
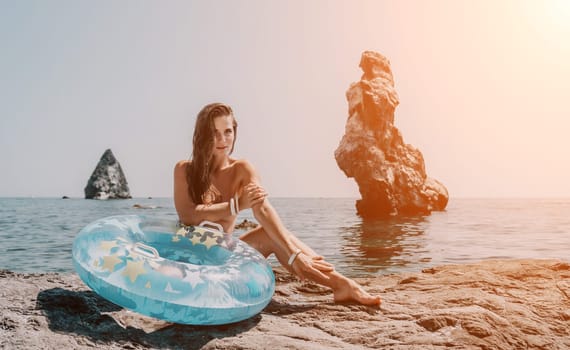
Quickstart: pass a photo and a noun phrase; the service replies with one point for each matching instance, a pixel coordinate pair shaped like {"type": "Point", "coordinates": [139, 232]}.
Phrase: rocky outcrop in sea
{"type": "Point", "coordinates": [390, 174]}
{"type": "Point", "coordinates": [108, 180]}
{"type": "Point", "coordinates": [500, 304]}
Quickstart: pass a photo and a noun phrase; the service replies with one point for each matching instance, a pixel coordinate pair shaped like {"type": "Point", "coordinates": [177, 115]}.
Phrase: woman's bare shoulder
{"type": "Point", "coordinates": [182, 165]}
{"type": "Point", "coordinates": [243, 166]}
{"type": "Point", "coordinates": [245, 171]}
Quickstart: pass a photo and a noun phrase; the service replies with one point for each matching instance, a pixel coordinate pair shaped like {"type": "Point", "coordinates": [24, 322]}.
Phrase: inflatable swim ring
{"type": "Point", "coordinates": [189, 275]}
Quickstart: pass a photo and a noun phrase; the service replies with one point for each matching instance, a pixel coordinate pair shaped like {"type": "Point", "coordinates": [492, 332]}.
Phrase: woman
{"type": "Point", "coordinates": [214, 187]}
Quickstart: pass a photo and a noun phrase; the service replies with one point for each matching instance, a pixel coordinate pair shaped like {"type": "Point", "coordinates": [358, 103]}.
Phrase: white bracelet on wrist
{"type": "Point", "coordinates": [294, 256]}
{"type": "Point", "coordinates": [236, 202]}
{"type": "Point", "coordinates": [233, 207]}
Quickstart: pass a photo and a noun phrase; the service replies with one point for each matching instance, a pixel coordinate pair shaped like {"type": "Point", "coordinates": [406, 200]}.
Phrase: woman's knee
{"type": "Point", "coordinates": [258, 239]}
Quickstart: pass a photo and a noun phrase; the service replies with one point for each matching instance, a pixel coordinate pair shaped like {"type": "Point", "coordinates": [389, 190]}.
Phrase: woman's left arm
{"type": "Point", "coordinates": [303, 264]}
{"type": "Point", "coordinates": [267, 216]}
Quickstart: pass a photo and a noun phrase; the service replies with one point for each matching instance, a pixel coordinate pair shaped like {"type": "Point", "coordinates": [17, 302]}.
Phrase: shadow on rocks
{"type": "Point", "coordinates": [83, 313]}
{"type": "Point", "coordinates": [282, 309]}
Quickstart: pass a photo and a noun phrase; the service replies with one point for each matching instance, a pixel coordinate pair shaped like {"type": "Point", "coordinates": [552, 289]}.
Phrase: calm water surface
{"type": "Point", "coordinates": [36, 234]}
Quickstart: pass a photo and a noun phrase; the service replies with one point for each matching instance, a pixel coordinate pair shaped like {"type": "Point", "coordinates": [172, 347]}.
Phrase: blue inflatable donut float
{"type": "Point", "coordinates": [190, 275]}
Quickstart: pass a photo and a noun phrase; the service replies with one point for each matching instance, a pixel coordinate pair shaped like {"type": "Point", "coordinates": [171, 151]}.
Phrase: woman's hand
{"type": "Point", "coordinates": [322, 265]}
{"type": "Point", "coordinates": [252, 195]}
{"type": "Point", "coordinates": [313, 268]}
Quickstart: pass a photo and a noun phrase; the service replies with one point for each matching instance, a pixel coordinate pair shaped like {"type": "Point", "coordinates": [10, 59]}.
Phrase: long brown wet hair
{"type": "Point", "coordinates": [199, 170]}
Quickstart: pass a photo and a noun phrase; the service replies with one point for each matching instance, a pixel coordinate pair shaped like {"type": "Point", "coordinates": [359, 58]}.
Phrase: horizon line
{"type": "Point", "coordinates": [288, 197]}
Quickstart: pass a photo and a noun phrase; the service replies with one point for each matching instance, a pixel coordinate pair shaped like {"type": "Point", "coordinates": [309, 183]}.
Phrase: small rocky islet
{"type": "Point", "coordinates": [108, 180]}
{"type": "Point", "coordinates": [390, 173]}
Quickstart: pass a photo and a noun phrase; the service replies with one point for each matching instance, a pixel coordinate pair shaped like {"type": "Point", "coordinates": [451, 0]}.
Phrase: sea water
{"type": "Point", "coordinates": [36, 234]}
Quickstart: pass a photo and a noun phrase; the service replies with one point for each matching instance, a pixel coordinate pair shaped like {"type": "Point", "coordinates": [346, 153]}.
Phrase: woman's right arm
{"type": "Point", "coordinates": [190, 213]}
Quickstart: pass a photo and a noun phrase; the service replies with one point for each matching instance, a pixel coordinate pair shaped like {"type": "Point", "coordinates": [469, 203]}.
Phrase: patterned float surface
{"type": "Point", "coordinates": [190, 275]}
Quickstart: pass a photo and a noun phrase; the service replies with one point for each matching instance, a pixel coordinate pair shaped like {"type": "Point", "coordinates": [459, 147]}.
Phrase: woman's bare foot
{"type": "Point", "coordinates": [351, 291]}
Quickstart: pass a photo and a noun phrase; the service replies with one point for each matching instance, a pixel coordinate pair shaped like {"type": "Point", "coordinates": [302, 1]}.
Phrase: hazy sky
{"type": "Point", "coordinates": [484, 89]}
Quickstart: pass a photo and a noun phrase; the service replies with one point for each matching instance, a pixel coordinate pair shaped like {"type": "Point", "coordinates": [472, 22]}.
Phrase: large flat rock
{"type": "Point", "coordinates": [506, 304]}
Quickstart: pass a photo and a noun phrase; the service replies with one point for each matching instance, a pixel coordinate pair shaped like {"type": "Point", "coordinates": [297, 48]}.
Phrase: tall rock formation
{"type": "Point", "coordinates": [108, 180]}
{"type": "Point", "coordinates": [390, 174]}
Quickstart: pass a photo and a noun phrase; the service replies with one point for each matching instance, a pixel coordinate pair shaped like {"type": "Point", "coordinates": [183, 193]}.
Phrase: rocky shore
{"type": "Point", "coordinates": [507, 304]}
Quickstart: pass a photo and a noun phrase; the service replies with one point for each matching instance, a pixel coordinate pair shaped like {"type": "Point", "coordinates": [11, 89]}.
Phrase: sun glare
{"type": "Point", "coordinates": [558, 12]}
{"type": "Point", "coordinates": [550, 20]}
{"type": "Point", "coordinates": [552, 16]}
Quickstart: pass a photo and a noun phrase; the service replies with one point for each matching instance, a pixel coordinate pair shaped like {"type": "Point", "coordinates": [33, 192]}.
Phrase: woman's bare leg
{"type": "Point", "coordinates": [344, 289]}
